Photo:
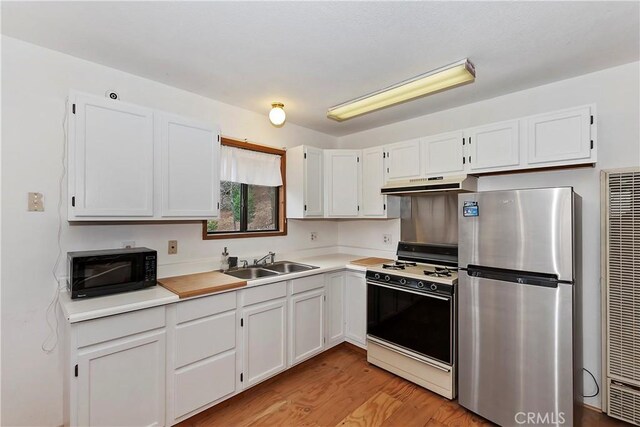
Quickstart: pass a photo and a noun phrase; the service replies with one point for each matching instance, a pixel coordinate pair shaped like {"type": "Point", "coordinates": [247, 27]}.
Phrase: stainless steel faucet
{"type": "Point", "coordinates": [263, 260]}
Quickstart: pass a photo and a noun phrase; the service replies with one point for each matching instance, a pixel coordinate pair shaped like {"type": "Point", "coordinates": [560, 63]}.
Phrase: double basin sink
{"type": "Point", "coordinates": [268, 270]}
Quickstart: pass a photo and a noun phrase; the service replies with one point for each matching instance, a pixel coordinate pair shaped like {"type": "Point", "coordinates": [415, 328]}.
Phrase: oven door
{"type": "Point", "coordinates": [420, 322]}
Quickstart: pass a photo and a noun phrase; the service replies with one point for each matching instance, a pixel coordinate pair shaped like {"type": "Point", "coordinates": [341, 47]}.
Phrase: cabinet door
{"type": "Point", "coordinates": [373, 203]}
{"type": "Point", "coordinates": [306, 325]}
{"type": "Point", "coordinates": [562, 136]}
{"type": "Point", "coordinates": [313, 185]}
{"type": "Point", "coordinates": [110, 159]}
{"type": "Point", "coordinates": [493, 147]}
{"type": "Point", "coordinates": [190, 168]}
{"type": "Point", "coordinates": [443, 154]}
{"type": "Point", "coordinates": [356, 308]}
{"type": "Point", "coordinates": [335, 308]}
{"type": "Point", "coordinates": [123, 383]}
{"type": "Point", "coordinates": [403, 160]}
{"type": "Point", "coordinates": [342, 175]}
{"type": "Point", "coordinates": [264, 329]}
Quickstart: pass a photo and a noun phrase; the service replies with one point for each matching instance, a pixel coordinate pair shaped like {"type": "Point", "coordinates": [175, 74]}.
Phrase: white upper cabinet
{"type": "Point", "coordinates": [561, 137]}
{"type": "Point", "coordinates": [305, 197]}
{"type": "Point", "coordinates": [190, 168]}
{"type": "Point", "coordinates": [313, 182]}
{"type": "Point", "coordinates": [342, 177]}
{"type": "Point", "coordinates": [493, 147]}
{"type": "Point", "coordinates": [111, 159]}
{"type": "Point", "coordinates": [443, 154]}
{"type": "Point", "coordinates": [403, 160]}
{"type": "Point", "coordinates": [133, 163]}
{"type": "Point", "coordinates": [373, 202]}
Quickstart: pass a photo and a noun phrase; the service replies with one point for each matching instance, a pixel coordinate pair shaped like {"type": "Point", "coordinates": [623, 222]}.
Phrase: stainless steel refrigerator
{"type": "Point", "coordinates": [519, 306]}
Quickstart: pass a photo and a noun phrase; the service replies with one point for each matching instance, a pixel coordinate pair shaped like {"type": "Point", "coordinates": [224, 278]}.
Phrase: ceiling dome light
{"type": "Point", "coordinates": [277, 116]}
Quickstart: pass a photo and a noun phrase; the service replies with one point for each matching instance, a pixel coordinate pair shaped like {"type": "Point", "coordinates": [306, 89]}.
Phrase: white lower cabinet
{"type": "Point", "coordinates": [264, 332]}
{"type": "Point", "coordinates": [356, 308]}
{"type": "Point", "coordinates": [203, 354]}
{"type": "Point", "coordinates": [115, 370]}
{"type": "Point", "coordinates": [159, 366]}
{"type": "Point", "coordinates": [335, 308]}
{"type": "Point", "coordinates": [122, 382]}
{"type": "Point", "coordinates": [306, 330]}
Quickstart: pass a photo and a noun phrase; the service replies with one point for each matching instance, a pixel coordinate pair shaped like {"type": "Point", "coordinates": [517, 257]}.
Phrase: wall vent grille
{"type": "Point", "coordinates": [624, 403]}
{"type": "Point", "coordinates": [622, 293]}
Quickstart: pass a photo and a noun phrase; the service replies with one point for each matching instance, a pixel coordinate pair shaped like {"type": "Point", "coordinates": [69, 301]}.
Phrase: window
{"type": "Point", "coordinates": [249, 210]}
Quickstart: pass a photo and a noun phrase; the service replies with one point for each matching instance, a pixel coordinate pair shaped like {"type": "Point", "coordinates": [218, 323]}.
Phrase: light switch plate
{"type": "Point", "coordinates": [35, 203]}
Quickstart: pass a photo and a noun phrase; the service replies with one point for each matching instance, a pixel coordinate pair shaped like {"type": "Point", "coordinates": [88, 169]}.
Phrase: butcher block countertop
{"type": "Point", "coordinates": [191, 285]}
{"type": "Point", "coordinates": [370, 261]}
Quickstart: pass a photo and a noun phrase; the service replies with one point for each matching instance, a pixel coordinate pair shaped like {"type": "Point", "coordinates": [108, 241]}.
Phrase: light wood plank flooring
{"type": "Point", "coordinates": [340, 388]}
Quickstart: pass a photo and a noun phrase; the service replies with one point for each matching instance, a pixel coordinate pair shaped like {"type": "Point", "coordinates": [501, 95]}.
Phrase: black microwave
{"type": "Point", "coordinates": [110, 271]}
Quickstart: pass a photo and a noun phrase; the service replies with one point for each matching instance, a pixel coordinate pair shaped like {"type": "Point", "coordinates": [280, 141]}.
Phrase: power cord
{"type": "Point", "coordinates": [51, 342]}
{"type": "Point", "coordinates": [595, 382]}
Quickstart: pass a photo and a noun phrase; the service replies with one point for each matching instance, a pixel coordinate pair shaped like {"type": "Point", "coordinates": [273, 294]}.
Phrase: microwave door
{"type": "Point", "coordinates": [104, 274]}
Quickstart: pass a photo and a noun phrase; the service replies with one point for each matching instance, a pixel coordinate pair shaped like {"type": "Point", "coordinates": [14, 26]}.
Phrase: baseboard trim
{"type": "Point", "coordinates": [593, 408]}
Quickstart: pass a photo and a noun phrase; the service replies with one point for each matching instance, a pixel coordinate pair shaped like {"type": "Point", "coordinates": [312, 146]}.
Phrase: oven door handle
{"type": "Point", "coordinates": [397, 288]}
{"type": "Point", "coordinates": [398, 350]}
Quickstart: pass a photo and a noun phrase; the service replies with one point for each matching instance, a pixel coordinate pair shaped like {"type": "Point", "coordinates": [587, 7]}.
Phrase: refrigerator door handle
{"type": "Point", "coordinates": [515, 276]}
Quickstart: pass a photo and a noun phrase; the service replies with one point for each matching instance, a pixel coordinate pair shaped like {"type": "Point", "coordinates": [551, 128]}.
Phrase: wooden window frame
{"type": "Point", "coordinates": [282, 194]}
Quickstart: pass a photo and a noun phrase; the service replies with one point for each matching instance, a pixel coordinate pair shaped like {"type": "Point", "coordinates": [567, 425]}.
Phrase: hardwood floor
{"type": "Point", "coordinates": [340, 388]}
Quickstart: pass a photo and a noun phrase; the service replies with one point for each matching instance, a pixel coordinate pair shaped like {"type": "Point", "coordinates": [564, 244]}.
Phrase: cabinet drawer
{"type": "Point", "coordinates": [307, 283]}
{"type": "Point", "coordinates": [265, 293]}
{"type": "Point", "coordinates": [204, 383]}
{"type": "Point", "coordinates": [205, 306]}
{"type": "Point", "coordinates": [205, 337]}
{"type": "Point", "coordinates": [121, 325]}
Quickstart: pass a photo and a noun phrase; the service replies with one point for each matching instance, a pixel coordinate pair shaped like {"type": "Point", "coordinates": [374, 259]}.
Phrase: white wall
{"type": "Point", "coordinates": [35, 83]}
{"type": "Point", "coordinates": [616, 93]}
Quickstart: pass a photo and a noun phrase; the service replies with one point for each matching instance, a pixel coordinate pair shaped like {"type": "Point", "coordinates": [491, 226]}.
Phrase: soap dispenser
{"type": "Point", "coordinates": [224, 260]}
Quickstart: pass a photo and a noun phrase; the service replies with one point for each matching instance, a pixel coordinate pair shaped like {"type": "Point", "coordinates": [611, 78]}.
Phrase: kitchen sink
{"type": "Point", "coordinates": [251, 273]}
{"type": "Point", "coordinates": [283, 267]}
{"type": "Point", "coordinates": [275, 269]}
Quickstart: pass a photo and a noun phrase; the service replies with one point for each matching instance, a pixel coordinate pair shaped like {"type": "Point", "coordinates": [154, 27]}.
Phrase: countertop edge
{"type": "Point", "coordinates": [327, 265]}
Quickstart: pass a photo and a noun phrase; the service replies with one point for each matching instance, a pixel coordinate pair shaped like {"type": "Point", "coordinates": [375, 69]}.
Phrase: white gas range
{"type": "Point", "coordinates": [411, 315]}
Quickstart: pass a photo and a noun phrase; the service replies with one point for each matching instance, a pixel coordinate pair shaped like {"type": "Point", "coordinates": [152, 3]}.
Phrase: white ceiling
{"type": "Point", "coordinates": [312, 55]}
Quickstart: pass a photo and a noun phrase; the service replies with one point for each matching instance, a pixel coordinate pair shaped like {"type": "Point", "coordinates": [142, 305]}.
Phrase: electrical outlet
{"type": "Point", "coordinates": [173, 247]}
{"type": "Point", "coordinates": [314, 235]}
{"type": "Point", "coordinates": [386, 238]}
{"type": "Point", "coordinates": [36, 202]}
{"type": "Point", "coordinates": [128, 244]}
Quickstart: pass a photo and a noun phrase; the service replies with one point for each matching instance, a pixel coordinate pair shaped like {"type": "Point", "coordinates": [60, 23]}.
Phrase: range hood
{"type": "Point", "coordinates": [439, 184]}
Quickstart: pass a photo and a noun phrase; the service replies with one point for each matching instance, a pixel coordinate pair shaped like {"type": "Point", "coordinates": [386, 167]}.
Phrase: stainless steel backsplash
{"type": "Point", "coordinates": [430, 219]}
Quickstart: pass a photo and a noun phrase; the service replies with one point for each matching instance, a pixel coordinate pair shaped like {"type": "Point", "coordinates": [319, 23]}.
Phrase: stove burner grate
{"type": "Point", "coordinates": [439, 272]}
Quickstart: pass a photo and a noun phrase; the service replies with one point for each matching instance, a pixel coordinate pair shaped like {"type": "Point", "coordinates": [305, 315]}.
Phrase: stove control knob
{"type": "Point", "coordinates": [403, 281]}
{"type": "Point", "coordinates": [420, 285]}
{"type": "Point", "coordinates": [387, 278]}
{"type": "Point", "coordinates": [433, 287]}
{"type": "Point", "coordinates": [376, 276]}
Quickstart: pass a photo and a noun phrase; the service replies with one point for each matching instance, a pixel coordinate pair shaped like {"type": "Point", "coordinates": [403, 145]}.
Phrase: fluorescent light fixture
{"type": "Point", "coordinates": [437, 80]}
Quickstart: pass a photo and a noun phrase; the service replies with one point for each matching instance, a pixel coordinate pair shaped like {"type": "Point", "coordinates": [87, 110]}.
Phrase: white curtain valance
{"type": "Point", "coordinates": [250, 167]}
